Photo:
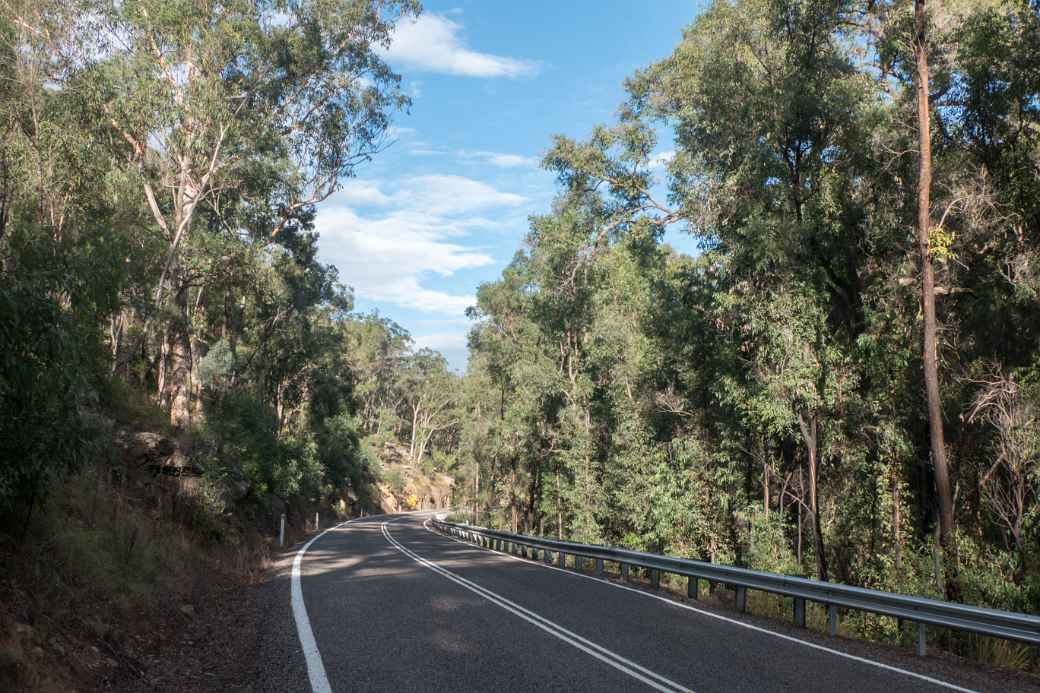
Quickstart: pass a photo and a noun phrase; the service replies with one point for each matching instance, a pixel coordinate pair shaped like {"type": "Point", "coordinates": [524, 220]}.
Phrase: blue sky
{"type": "Point", "coordinates": [445, 207]}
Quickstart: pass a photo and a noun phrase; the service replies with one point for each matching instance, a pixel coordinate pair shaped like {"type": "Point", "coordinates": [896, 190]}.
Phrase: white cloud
{"type": "Point", "coordinates": [361, 192]}
{"type": "Point", "coordinates": [432, 43]}
{"type": "Point", "coordinates": [453, 345]}
{"type": "Point", "coordinates": [386, 255]}
{"type": "Point", "coordinates": [661, 159]}
{"type": "Point", "coordinates": [442, 341]}
{"type": "Point", "coordinates": [446, 194]}
{"type": "Point", "coordinates": [498, 159]}
{"type": "Point", "coordinates": [397, 131]}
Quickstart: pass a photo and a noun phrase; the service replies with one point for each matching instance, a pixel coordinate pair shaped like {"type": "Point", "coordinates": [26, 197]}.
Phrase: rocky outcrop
{"type": "Point", "coordinates": [145, 448]}
{"type": "Point", "coordinates": [157, 453]}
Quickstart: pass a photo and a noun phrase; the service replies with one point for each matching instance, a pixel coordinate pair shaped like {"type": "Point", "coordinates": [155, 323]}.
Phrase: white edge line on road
{"type": "Point", "coordinates": [720, 617]}
{"type": "Point", "coordinates": [315, 667]}
{"type": "Point", "coordinates": [598, 651]}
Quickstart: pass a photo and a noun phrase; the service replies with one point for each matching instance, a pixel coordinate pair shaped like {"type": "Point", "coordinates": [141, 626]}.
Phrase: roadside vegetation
{"type": "Point", "coordinates": [843, 383]}
{"type": "Point", "coordinates": [177, 369]}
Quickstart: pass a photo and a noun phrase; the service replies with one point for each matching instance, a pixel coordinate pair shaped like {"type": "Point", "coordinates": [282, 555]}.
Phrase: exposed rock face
{"type": "Point", "coordinates": [158, 453]}
{"type": "Point", "coordinates": [388, 502]}
{"type": "Point", "coordinates": [147, 448]}
{"type": "Point", "coordinates": [175, 470]}
{"type": "Point", "coordinates": [180, 464]}
{"type": "Point", "coordinates": [441, 489]}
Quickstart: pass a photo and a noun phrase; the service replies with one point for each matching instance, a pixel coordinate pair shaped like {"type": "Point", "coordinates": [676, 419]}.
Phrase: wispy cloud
{"type": "Point", "coordinates": [359, 192]}
{"type": "Point", "coordinates": [407, 232]}
{"type": "Point", "coordinates": [661, 159]}
{"type": "Point", "coordinates": [498, 158]}
{"type": "Point", "coordinates": [432, 43]}
{"type": "Point", "coordinates": [452, 344]}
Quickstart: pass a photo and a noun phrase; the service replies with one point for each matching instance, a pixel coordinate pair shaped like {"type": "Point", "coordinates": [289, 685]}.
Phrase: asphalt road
{"type": "Point", "coordinates": [392, 606]}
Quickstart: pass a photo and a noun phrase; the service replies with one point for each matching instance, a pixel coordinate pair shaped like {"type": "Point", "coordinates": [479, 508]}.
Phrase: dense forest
{"type": "Point", "coordinates": [843, 382]}
{"type": "Point", "coordinates": [159, 170]}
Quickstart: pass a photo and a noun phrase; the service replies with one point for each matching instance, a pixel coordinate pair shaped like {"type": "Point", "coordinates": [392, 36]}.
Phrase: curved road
{"type": "Point", "coordinates": [385, 604]}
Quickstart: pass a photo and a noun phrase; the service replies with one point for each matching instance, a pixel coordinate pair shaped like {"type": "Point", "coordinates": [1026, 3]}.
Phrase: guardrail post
{"type": "Point", "coordinates": [917, 610]}
{"type": "Point", "coordinates": [316, 520]}
{"type": "Point", "coordinates": [281, 531]}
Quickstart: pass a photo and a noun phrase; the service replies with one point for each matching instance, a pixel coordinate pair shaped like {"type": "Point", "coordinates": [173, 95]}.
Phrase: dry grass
{"type": "Point", "coordinates": [109, 563]}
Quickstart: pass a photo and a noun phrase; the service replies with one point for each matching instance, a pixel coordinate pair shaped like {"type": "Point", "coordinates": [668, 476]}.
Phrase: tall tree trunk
{"type": "Point", "coordinates": [897, 521]}
{"type": "Point", "coordinates": [810, 434]}
{"type": "Point", "coordinates": [178, 377]}
{"type": "Point", "coordinates": [930, 355]}
{"type": "Point", "coordinates": [559, 509]}
{"type": "Point", "coordinates": [476, 491]}
{"type": "Point", "coordinates": [512, 500]}
{"type": "Point", "coordinates": [765, 476]}
{"type": "Point", "coordinates": [798, 507]}
{"type": "Point", "coordinates": [415, 427]}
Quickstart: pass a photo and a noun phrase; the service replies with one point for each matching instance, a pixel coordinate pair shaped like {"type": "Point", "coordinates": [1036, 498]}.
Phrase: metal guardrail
{"type": "Point", "coordinates": [920, 610]}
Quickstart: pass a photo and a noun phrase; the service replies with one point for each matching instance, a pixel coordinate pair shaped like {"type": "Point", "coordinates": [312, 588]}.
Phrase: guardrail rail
{"type": "Point", "coordinates": [920, 610]}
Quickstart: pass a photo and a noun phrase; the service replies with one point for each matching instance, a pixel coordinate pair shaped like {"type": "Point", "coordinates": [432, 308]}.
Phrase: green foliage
{"type": "Point", "coordinates": [757, 404]}
{"type": "Point", "coordinates": [47, 377]}
{"type": "Point", "coordinates": [761, 403]}
{"type": "Point", "coordinates": [160, 163]}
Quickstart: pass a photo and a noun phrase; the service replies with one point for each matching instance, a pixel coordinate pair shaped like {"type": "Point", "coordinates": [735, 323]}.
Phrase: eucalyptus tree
{"type": "Point", "coordinates": [428, 400]}
{"type": "Point", "coordinates": [246, 112]}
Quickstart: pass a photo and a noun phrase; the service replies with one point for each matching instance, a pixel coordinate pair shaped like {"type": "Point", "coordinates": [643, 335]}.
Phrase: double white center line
{"type": "Point", "coordinates": [650, 678]}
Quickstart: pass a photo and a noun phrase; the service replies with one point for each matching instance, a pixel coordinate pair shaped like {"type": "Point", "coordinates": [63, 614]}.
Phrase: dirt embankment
{"type": "Point", "coordinates": [135, 574]}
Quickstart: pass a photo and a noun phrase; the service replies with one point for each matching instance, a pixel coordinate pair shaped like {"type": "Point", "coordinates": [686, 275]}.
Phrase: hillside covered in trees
{"type": "Point", "coordinates": [177, 368]}
{"type": "Point", "coordinates": [843, 382]}
{"type": "Point", "coordinates": [160, 170]}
